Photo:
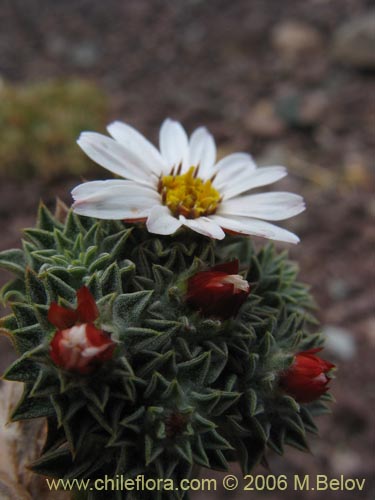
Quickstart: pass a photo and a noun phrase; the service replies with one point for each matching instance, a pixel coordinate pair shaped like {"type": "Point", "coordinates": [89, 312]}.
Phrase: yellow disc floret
{"type": "Point", "coordinates": [188, 195]}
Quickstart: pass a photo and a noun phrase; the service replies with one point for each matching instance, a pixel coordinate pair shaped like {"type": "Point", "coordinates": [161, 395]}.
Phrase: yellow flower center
{"type": "Point", "coordinates": [188, 195]}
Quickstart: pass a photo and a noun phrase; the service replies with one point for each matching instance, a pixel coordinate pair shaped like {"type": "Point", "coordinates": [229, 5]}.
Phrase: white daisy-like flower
{"type": "Point", "coordinates": [182, 185]}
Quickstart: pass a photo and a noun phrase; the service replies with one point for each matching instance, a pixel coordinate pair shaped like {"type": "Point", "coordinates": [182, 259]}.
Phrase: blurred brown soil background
{"type": "Point", "coordinates": [293, 83]}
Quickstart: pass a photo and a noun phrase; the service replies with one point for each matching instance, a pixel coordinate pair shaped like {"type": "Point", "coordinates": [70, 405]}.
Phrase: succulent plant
{"type": "Point", "coordinates": [183, 386]}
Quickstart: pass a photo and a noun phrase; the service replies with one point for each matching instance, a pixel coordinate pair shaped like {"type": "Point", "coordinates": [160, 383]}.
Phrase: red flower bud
{"type": "Point", "coordinates": [219, 291]}
{"type": "Point", "coordinates": [85, 312]}
{"type": "Point", "coordinates": [81, 348]}
{"type": "Point", "coordinates": [78, 345]}
{"type": "Point", "coordinates": [306, 379]}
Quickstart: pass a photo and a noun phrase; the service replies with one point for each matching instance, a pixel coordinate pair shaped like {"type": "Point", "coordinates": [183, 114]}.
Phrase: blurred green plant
{"type": "Point", "coordinates": [39, 125]}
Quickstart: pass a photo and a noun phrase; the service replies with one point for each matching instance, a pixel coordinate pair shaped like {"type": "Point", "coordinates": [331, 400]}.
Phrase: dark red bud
{"type": "Point", "coordinates": [218, 292]}
{"type": "Point", "coordinates": [306, 380]}
{"type": "Point", "coordinates": [81, 348]}
{"type": "Point", "coordinates": [78, 345]}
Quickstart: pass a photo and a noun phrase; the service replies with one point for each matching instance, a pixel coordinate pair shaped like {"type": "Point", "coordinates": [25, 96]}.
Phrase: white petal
{"type": "Point", "coordinates": [145, 153]}
{"type": "Point", "coordinates": [88, 188]}
{"type": "Point", "coordinates": [116, 202]}
{"type": "Point", "coordinates": [237, 281]}
{"type": "Point", "coordinates": [90, 352]}
{"type": "Point", "coordinates": [202, 152]}
{"type": "Point", "coordinates": [115, 186]}
{"type": "Point", "coordinates": [244, 182]}
{"type": "Point", "coordinates": [114, 157]}
{"type": "Point", "coordinates": [173, 143]}
{"type": "Point", "coordinates": [160, 221]}
{"type": "Point", "coordinates": [256, 227]}
{"type": "Point", "coordinates": [269, 206]}
{"type": "Point", "coordinates": [205, 226]}
{"type": "Point", "coordinates": [233, 164]}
